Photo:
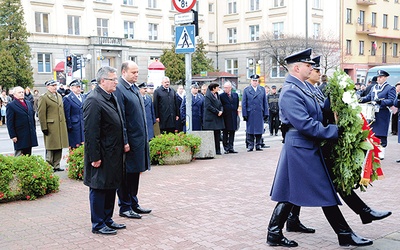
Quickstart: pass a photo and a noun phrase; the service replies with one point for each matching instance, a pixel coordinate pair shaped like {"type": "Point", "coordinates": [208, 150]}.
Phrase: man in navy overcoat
{"type": "Point", "coordinates": [21, 123]}
{"type": "Point", "coordinates": [254, 112]}
{"type": "Point", "coordinates": [73, 109]}
{"type": "Point", "coordinates": [197, 109]}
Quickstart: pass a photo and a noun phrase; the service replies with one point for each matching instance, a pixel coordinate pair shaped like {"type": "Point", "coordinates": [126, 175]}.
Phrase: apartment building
{"type": "Point", "coordinates": [108, 32]}
{"type": "Point", "coordinates": [370, 35]}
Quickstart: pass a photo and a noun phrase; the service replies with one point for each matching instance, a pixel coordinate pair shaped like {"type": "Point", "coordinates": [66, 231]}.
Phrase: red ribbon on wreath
{"type": "Point", "coordinates": [371, 156]}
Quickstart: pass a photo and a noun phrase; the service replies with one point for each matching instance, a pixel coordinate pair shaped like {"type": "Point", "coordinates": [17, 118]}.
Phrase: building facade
{"type": "Point", "coordinates": [370, 35]}
{"type": "Point", "coordinates": [108, 32]}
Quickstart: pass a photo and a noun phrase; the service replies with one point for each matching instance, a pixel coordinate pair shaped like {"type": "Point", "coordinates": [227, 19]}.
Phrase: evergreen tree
{"type": "Point", "coordinates": [15, 52]}
{"type": "Point", "coordinates": [199, 60]}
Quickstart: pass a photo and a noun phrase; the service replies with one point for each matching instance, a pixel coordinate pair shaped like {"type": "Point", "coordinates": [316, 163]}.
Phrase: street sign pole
{"type": "Point", "coordinates": [188, 72]}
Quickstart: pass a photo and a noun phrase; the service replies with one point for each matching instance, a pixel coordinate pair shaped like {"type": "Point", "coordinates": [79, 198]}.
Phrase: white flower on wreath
{"type": "Point", "coordinates": [350, 98]}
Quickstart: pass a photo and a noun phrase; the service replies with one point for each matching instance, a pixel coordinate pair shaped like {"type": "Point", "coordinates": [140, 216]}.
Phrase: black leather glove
{"type": "Point", "coordinates": [244, 118]}
{"type": "Point", "coordinates": [378, 102]}
{"type": "Point", "coordinates": [45, 132]}
{"type": "Point", "coordinates": [265, 118]}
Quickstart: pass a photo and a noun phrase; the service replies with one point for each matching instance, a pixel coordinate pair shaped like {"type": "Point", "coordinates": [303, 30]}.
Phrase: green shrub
{"type": "Point", "coordinates": [164, 144]}
{"type": "Point", "coordinates": [26, 177]}
{"type": "Point", "coordinates": [75, 161]}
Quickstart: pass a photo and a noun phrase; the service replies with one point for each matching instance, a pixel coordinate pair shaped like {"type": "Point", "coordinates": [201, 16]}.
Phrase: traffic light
{"type": "Point", "coordinates": [196, 22]}
{"type": "Point", "coordinates": [69, 61]}
{"type": "Point", "coordinates": [74, 63]}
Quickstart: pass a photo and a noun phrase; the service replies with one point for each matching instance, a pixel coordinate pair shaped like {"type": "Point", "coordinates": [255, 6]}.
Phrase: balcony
{"type": "Point", "coordinates": [365, 28]}
{"type": "Point", "coordinates": [380, 59]}
{"type": "Point", "coordinates": [366, 2]}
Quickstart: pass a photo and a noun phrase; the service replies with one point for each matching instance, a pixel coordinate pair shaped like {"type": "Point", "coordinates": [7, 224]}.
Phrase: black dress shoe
{"type": "Point", "coordinates": [352, 239]}
{"type": "Point", "coordinates": [130, 214]}
{"type": "Point", "coordinates": [218, 153]}
{"type": "Point", "coordinates": [105, 230]}
{"type": "Point", "coordinates": [259, 149]}
{"type": "Point", "coordinates": [140, 210]}
{"type": "Point", "coordinates": [233, 151]}
{"type": "Point", "coordinates": [249, 149]}
{"type": "Point", "coordinates": [226, 152]}
{"type": "Point", "coordinates": [398, 161]}
{"type": "Point", "coordinates": [116, 226]}
{"type": "Point", "coordinates": [282, 242]}
{"type": "Point", "coordinates": [368, 215]}
{"type": "Point", "coordinates": [296, 226]}
{"type": "Point", "coordinates": [58, 170]}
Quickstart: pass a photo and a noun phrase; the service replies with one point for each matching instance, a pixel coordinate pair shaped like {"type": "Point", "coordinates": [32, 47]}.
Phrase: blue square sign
{"type": "Point", "coordinates": [184, 39]}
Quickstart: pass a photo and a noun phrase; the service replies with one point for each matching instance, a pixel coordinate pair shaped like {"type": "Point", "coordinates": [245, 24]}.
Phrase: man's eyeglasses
{"type": "Point", "coordinates": [111, 79]}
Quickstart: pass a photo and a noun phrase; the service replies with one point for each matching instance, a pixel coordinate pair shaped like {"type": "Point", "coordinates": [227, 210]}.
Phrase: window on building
{"type": "Point", "coordinates": [73, 25]}
{"type": "Point", "coordinates": [211, 8]}
{"type": "Point", "coordinates": [42, 22]}
{"type": "Point", "coordinates": [361, 47]}
{"type": "Point", "coordinates": [373, 48]}
{"type": "Point", "coordinates": [152, 4]}
{"type": "Point", "coordinates": [385, 21]}
{"type": "Point", "coordinates": [232, 66]}
{"type": "Point", "coordinates": [277, 70]}
{"type": "Point", "coordinates": [129, 29]}
{"type": "Point", "coordinates": [254, 5]}
{"type": "Point", "coordinates": [127, 2]}
{"type": "Point", "coordinates": [278, 30]}
{"type": "Point", "coordinates": [44, 63]}
{"type": "Point", "coordinates": [254, 32]}
{"type": "Point", "coordinates": [232, 7]}
{"type": "Point", "coordinates": [173, 33]}
{"type": "Point", "coordinates": [133, 59]}
{"type": "Point", "coordinates": [102, 27]}
{"type": "Point", "coordinates": [373, 19]}
{"type": "Point", "coordinates": [395, 48]}
{"type": "Point", "coordinates": [317, 4]}
{"type": "Point", "coordinates": [153, 34]}
{"type": "Point", "coordinates": [316, 30]}
{"type": "Point", "coordinates": [251, 65]}
{"type": "Point", "coordinates": [348, 47]}
{"type": "Point", "coordinates": [396, 22]}
{"type": "Point", "coordinates": [348, 15]}
{"type": "Point", "coordinates": [232, 35]}
{"type": "Point", "coordinates": [279, 3]}
{"type": "Point", "coordinates": [211, 37]}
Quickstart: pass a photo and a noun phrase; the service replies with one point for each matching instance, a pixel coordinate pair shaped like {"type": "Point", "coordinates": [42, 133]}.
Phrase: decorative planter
{"type": "Point", "coordinates": [184, 156]}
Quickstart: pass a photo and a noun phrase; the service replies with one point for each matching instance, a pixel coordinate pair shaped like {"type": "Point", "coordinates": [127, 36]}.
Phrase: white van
{"type": "Point", "coordinates": [393, 70]}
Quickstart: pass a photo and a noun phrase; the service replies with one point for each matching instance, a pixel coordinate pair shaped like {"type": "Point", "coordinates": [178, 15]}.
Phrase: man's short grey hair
{"type": "Point", "coordinates": [103, 73]}
{"type": "Point", "coordinates": [228, 84]}
{"type": "Point", "coordinates": [18, 87]}
{"type": "Point", "coordinates": [164, 78]}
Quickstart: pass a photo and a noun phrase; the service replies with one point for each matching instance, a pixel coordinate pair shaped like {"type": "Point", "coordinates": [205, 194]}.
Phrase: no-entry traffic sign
{"type": "Point", "coordinates": [183, 5]}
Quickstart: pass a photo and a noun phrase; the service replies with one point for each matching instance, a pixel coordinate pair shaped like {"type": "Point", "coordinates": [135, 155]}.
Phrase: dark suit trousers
{"type": "Point", "coordinates": [217, 138]}
{"type": "Point", "coordinates": [228, 137]}
{"type": "Point", "coordinates": [250, 140]}
{"type": "Point", "coordinates": [101, 207]}
{"type": "Point", "coordinates": [127, 194]}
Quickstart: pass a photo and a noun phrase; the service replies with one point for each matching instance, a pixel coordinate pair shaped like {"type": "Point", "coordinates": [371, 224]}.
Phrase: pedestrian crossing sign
{"type": "Point", "coordinates": [184, 39]}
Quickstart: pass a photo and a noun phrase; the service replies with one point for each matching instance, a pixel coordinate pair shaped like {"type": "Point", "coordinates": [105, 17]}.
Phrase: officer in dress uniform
{"type": "Point", "coordinates": [254, 111]}
{"type": "Point", "coordinates": [301, 176]}
{"type": "Point", "coordinates": [149, 109]}
{"type": "Point", "coordinates": [197, 109]}
{"type": "Point", "coordinates": [73, 109]}
{"type": "Point", "coordinates": [382, 96]}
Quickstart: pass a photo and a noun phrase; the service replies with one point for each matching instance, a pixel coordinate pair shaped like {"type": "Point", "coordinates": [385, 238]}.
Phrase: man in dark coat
{"type": "Point", "coordinates": [104, 150]}
{"type": "Point", "coordinates": [254, 112]}
{"type": "Point", "coordinates": [382, 96]}
{"type": "Point", "coordinates": [230, 103]}
{"type": "Point", "coordinates": [180, 95]}
{"type": "Point", "coordinates": [138, 158]}
{"type": "Point", "coordinates": [149, 110]}
{"type": "Point", "coordinates": [272, 99]}
{"type": "Point", "coordinates": [73, 103]}
{"type": "Point", "coordinates": [212, 118]}
{"type": "Point", "coordinates": [197, 109]}
{"type": "Point", "coordinates": [301, 176]}
{"type": "Point", "coordinates": [21, 123]}
{"type": "Point", "coordinates": [167, 113]}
